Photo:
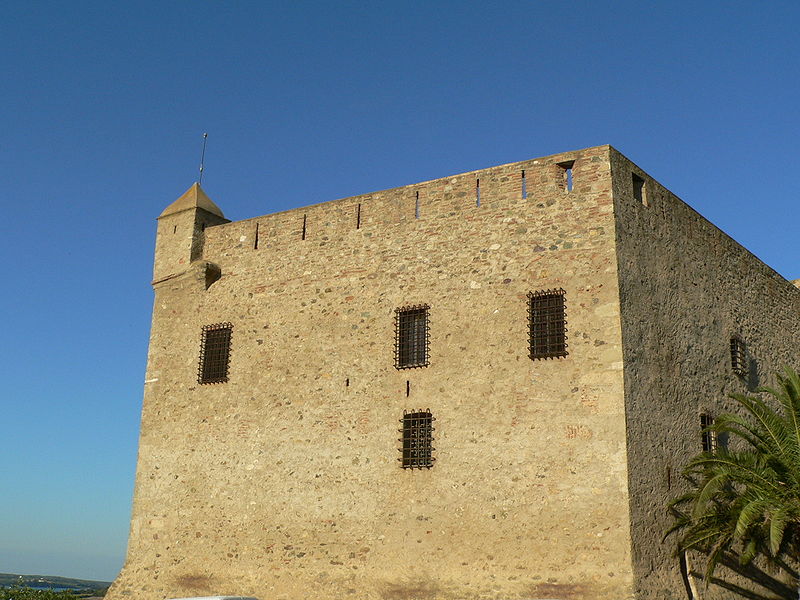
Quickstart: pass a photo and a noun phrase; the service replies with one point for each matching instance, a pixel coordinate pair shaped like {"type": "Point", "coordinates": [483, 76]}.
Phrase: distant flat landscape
{"type": "Point", "coordinates": [51, 582]}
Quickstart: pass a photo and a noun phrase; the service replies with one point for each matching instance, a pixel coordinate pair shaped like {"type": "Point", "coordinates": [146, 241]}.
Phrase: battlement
{"type": "Point", "coordinates": [463, 196]}
{"type": "Point", "coordinates": [509, 193]}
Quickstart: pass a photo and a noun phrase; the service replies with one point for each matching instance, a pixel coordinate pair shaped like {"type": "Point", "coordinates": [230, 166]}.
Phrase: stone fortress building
{"type": "Point", "coordinates": [481, 386]}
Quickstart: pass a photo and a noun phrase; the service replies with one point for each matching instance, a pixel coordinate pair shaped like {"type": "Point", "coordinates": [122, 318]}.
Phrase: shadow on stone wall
{"type": "Point", "coordinates": [765, 586]}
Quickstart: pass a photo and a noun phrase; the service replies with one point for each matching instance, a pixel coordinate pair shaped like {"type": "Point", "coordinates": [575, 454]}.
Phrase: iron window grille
{"type": "Point", "coordinates": [708, 437]}
{"type": "Point", "coordinates": [547, 319]}
{"type": "Point", "coordinates": [417, 441]}
{"type": "Point", "coordinates": [215, 349]}
{"type": "Point", "coordinates": [738, 357]}
{"type": "Point", "coordinates": [411, 337]}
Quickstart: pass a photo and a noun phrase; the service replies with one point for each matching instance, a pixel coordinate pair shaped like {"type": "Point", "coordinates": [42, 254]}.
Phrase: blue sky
{"type": "Point", "coordinates": [102, 111]}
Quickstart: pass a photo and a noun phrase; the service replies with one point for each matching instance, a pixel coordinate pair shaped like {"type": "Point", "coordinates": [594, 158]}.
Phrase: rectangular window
{"type": "Point", "coordinates": [411, 337]}
{"type": "Point", "coordinates": [709, 438]}
{"type": "Point", "coordinates": [548, 324]}
{"type": "Point", "coordinates": [417, 440]}
{"type": "Point", "coordinates": [738, 357]}
{"type": "Point", "coordinates": [215, 349]}
{"type": "Point", "coordinates": [639, 190]}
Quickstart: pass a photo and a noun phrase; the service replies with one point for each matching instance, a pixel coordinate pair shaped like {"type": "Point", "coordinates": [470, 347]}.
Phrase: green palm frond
{"type": "Point", "coordinates": [777, 527]}
{"type": "Point", "coordinates": [708, 491]}
{"type": "Point", "coordinates": [750, 514]}
{"type": "Point", "coordinates": [749, 552]}
{"type": "Point", "coordinates": [746, 502]}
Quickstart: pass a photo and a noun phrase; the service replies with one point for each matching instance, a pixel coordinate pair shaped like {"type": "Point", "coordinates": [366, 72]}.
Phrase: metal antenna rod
{"type": "Point", "coordinates": [203, 157]}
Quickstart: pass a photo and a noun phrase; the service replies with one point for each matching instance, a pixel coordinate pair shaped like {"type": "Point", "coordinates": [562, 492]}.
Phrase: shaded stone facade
{"type": "Point", "coordinates": [549, 476]}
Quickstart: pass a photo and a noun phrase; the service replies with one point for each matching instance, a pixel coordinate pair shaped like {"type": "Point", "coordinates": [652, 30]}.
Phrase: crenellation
{"type": "Point", "coordinates": [446, 198]}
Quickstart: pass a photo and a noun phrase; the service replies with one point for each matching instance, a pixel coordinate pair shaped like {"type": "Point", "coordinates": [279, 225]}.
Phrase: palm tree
{"type": "Point", "coordinates": [745, 501]}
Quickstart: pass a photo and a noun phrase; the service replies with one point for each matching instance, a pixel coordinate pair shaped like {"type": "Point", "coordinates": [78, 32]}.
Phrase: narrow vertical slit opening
{"type": "Point", "coordinates": [347, 382]}
{"type": "Point", "coordinates": [566, 174]}
{"type": "Point", "coordinates": [358, 217]}
{"type": "Point", "coordinates": [477, 192]}
{"type": "Point", "coordinates": [416, 207]}
{"type": "Point", "coordinates": [304, 228]}
{"type": "Point", "coordinates": [408, 388]}
{"type": "Point", "coordinates": [524, 187]}
{"type": "Point", "coordinates": [175, 229]}
{"type": "Point", "coordinates": [639, 190]}
{"type": "Point", "coordinates": [255, 241]}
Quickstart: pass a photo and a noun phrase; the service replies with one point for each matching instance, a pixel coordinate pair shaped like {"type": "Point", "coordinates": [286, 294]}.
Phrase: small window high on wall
{"type": "Point", "coordinates": [215, 348]}
{"type": "Point", "coordinates": [738, 356]}
{"type": "Point", "coordinates": [566, 175]}
{"type": "Point", "coordinates": [411, 337]}
{"type": "Point", "coordinates": [639, 189]}
{"type": "Point", "coordinates": [547, 317]}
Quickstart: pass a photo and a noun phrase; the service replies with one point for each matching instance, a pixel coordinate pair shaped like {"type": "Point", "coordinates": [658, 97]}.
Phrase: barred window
{"type": "Point", "coordinates": [417, 440]}
{"type": "Point", "coordinates": [708, 438]}
{"type": "Point", "coordinates": [215, 348]}
{"type": "Point", "coordinates": [738, 356]}
{"type": "Point", "coordinates": [548, 325]}
{"type": "Point", "coordinates": [411, 337]}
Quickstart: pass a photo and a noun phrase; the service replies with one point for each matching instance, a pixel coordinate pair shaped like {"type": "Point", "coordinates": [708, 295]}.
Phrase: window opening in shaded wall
{"type": "Point", "coordinates": [411, 337]}
{"type": "Point", "coordinates": [708, 438]}
{"type": "Point", "coordinates": [547, 319]}
{"type": "Point", "coordinates": [639, 189]}
{"type": "Point", "coordinates": [738, 356]}
{"type": "Point", "coordinates": [215, 348]}
{"type": "Point", "coordinates": [417, 440]}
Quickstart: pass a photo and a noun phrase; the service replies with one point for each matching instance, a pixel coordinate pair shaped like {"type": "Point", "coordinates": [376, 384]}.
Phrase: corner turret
{"type": "Point", "coordinates": [180, 235]}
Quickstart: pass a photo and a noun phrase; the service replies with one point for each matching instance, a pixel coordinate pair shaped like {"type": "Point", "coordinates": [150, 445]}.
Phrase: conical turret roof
{"type": "Point", "coordinates": [194, 197]}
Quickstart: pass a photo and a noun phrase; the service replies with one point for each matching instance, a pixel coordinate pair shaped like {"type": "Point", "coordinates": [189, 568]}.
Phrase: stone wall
{"type": "Point", "coordinates": [284, 482]}
{"type": "Point", "coordinates": [686, 288]}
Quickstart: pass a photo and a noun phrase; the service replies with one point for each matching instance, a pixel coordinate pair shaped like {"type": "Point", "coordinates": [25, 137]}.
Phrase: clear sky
{"type": "Point", "coordinates": [102, 110]}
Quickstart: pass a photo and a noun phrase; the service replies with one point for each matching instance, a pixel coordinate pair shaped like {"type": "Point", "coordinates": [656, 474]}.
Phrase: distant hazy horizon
{"type": "Point", "coordinates": [71, 565]}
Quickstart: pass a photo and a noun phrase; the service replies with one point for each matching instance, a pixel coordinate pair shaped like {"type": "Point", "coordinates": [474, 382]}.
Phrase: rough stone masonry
{"type": "Point", "coordinates": [574, 320]}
